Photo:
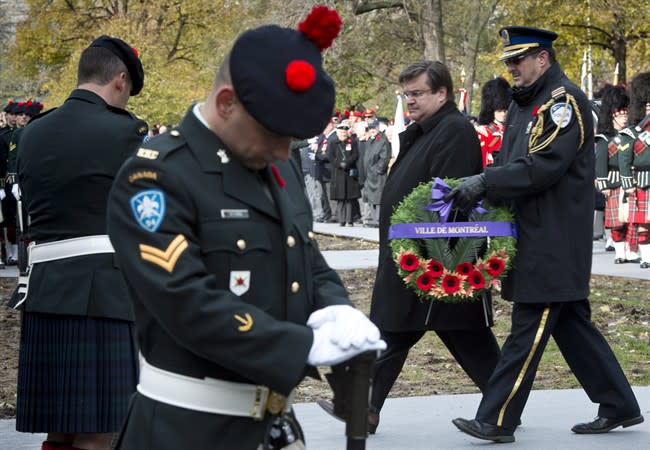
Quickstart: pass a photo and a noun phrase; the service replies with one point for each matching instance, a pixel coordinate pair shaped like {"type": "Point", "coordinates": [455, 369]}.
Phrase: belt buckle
{"type": "Point", "coordinates": [269, 401]}
{"type": "Point", "coordinates": [276, 403]}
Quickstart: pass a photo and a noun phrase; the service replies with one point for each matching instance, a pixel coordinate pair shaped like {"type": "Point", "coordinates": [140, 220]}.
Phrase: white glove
{"type": "Point", "coordinates": [324, 352]}
{"type": "Point", "coordinates": [3, 194]}
{"type": "Point", "coordinates": [351, 326]}
{"type": "Point", "coordinates": [15, 190]}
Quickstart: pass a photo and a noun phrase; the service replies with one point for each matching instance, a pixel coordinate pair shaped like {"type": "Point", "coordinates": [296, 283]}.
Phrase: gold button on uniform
{"type": "Point", "coordinates": [295, 287]}
{"type": "Point", "coordinates": [241, 244]}
{"type": "Point", "coordinates": [291, 241]}
{"type": "Point", "coordinates": [311, 235]}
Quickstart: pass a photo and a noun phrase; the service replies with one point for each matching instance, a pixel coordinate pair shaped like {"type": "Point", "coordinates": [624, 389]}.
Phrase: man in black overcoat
{"type": "Point", "coordinates": [440, 143]}
{"type": "Point", "coordinates": [546, 172]}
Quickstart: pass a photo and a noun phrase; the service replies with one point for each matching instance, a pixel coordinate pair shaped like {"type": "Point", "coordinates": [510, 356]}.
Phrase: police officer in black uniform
{"type": "Point", "coordinates": [213, 231]}
{"type": "Point", "coordinates": [546, 171]}
{"type": "Point", "coordinates": [78, 317]}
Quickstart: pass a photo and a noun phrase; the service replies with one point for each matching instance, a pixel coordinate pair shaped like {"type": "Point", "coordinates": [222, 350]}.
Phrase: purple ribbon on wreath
{"type": "Point", "coordinates": [439, 190]}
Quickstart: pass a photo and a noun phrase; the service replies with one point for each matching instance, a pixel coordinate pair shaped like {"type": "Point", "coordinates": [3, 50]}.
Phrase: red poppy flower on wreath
{"type": "Point", "coordinates": [465, 268]}
{"type": "Point", "coordinates": [476, 280]}
{"type": "Point", "coordinates": [436, 268]}
{"type": "Point", "coordinates": [495, 266]}
{"type": "Point", "coordinates": [409, 262]}
{"type": "Point", "coordinates": [425, 281]}
{"type": "Point", "coordinates": [450, 284]}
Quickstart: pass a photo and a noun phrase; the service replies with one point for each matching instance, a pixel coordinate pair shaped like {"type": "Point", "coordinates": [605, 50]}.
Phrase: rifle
{"type": "Point", "coordinates": [350, 382]}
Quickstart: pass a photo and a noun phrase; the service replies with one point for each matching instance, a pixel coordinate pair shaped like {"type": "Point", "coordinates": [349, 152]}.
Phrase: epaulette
{"type": "Point", "coordinates": [161, 146]}
{"type": "Point", "coordinates": [558, 93]}
{"type": "Point", "coordinates": [628, 132]}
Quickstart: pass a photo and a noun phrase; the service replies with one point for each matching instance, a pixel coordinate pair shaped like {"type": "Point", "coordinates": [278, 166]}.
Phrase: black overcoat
{"type": "Point", "coordinates": [445, 145]}
{"type": "Point", "coordinates": [203, 248]}
{"type": "Point", "coordinates": [343, 155]}
{"type": "Point", "coordinates": [67, 161]}
{"type": "Point", "coordinates": [552, 192]}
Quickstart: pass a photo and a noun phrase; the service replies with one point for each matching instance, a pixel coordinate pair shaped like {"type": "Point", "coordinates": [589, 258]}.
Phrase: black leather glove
{"type": "Point", "coordinates": [466, 194]}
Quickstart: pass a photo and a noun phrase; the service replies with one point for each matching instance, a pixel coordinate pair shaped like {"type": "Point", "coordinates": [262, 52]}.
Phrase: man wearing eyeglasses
{"type": "Point", "coordinates": [545, 171]}
{"type": "Point", "coordinates": [440, 143]}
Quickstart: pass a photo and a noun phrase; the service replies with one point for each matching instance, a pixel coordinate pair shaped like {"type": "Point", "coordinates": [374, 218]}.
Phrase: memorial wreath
{"type": "Point", "coordinates": [449, 261]}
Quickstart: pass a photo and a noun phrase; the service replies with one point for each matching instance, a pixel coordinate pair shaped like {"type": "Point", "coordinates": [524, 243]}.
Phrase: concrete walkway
{"type": "Point", "coordinates": [416, 423]}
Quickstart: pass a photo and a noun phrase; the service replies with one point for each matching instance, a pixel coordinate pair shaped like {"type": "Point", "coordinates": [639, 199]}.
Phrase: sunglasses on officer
{"type": "Point", "coordinates": [516, 60]}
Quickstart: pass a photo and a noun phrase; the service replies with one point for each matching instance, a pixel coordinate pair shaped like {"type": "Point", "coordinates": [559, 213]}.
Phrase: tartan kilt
{"type": "Point", "coordinates": [76, 374]}
{"type": "Point", "coordinates": [611, 209]}
{"type": "Point", "coordinates": [639, 206]}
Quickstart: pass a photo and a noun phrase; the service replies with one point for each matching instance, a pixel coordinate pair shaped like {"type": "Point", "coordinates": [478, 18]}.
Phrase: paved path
{"type": "Point", "coordinates": [416, 423]}
{"type": "Point", "coordinates": [602, 263]}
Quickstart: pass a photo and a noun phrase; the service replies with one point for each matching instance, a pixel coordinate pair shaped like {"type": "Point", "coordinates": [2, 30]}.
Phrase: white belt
{"type": "Point", "coordinates": [69, 248]}
{"type": "Point", "coordinates": [210, 394]}
{"type": "Point", "coordinates": [66, 248]}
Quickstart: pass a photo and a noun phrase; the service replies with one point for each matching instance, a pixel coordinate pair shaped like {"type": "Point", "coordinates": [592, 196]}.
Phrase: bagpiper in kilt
{"type": "Point", "coordinates": [612, 134]}
{"type": "Point", "coordinates": [635, 164]}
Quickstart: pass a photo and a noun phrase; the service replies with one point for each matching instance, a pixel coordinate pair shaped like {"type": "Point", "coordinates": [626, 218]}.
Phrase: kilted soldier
{"type": "Point", "coordinates": [211, 227]}
{"type": "Point", "coordinates": [635, 164]}
{"type": "Point", "coordinates": [612, 120]}
{"type": "Point", "coordinates": [78, 365]}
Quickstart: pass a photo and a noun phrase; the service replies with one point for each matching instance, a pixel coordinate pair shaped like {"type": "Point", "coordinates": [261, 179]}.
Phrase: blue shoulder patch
{"type": "Point", "coordinates": [149, 208]}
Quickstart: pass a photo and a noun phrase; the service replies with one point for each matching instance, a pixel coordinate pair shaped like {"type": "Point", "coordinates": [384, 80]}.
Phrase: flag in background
{"type": "Point", "coordinates": [462, 101]}
{"type": "Point", "coordinates": [398, 126]}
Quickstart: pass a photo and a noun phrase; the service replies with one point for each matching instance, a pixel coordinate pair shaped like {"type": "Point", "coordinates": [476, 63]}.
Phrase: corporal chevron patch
{"type": "Point", "coordinates": [167, 258]}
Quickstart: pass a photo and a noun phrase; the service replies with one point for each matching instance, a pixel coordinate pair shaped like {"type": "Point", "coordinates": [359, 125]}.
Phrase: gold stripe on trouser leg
{"type": "Point", "coordinates": [522, 372]}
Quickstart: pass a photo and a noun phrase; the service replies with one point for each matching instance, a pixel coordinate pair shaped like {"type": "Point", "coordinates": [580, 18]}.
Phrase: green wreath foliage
{"type": "Point", "coordinates": [438, 271]}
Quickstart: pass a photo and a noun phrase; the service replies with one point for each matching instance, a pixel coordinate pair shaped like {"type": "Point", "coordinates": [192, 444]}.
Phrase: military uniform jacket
{"type": "Point", "coordinates": [445, 145]}
{"type": "Point", "coordinates": [607, 168]}
{"type": "Point", "coordinates": [551, 186]}
{"type": "Point", "coordinates": [223, 275]}
{"type": "Point", "coordinates": [635, 155]}
{"type": "Point", "coordinates": [5, 139]}
{"type": "Point", "coordinates": [66, 165]}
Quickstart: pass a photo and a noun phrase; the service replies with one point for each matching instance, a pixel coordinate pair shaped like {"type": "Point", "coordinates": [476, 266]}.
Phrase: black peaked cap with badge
{"type": "Point", "coordinates": [518, 40]}
{"type": "Point", "coordinates": [278, 75]}
{"type": "Point", "coordinates": [128, 55]}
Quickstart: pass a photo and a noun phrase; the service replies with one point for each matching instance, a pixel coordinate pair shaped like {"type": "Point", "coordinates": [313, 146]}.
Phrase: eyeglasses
{"type": "Point", "coordinates": [414, 94]}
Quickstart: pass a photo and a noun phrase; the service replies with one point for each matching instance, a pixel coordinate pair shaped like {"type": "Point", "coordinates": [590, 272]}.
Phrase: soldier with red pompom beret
{"type": "Point", "coordinates": [234, 302]}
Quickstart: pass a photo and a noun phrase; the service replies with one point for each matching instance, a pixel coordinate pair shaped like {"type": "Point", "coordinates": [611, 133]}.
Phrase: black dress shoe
{"type": "Point", "coordinates": [619, 261]}
{"type": "Point", "coordinates": [483, 430]}
{"type": "Point", "coordinates": [328, 407]}
{"type": "Point", "coordinates": [635, 260]}
{"type": "Point", "coordinates": [604, 424]}
{"type": "Point", "coordinates": [342, 224]}
{"type": "Point", "coordinates": [609, 248]}
{"type": "Point", "coordinates": [645, 265]}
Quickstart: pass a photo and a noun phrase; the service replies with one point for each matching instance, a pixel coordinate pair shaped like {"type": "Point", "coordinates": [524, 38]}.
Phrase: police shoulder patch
{"type": "Point", "coordinates": [561, 114]}
{"type": "Point", "coordinates": [149, 208]}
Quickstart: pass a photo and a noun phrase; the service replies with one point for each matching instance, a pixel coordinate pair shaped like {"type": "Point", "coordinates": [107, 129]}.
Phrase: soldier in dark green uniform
{"type": "Point", "coordinates": [546, 172]}
{"type": "Point", "coordinates": [612, 134]}
{"type": "Point", "coordinates": [635, 163]}
{"type": "Point", "coordinates": [212, 229]}
{"type": "Point", "coordinates": [78, 364]}
{"type": "Point", "coordinates": [5, 138]}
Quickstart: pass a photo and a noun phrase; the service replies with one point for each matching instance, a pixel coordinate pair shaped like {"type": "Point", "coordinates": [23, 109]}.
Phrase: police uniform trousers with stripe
{"type": "Point", "coordinates": [583, 347]}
